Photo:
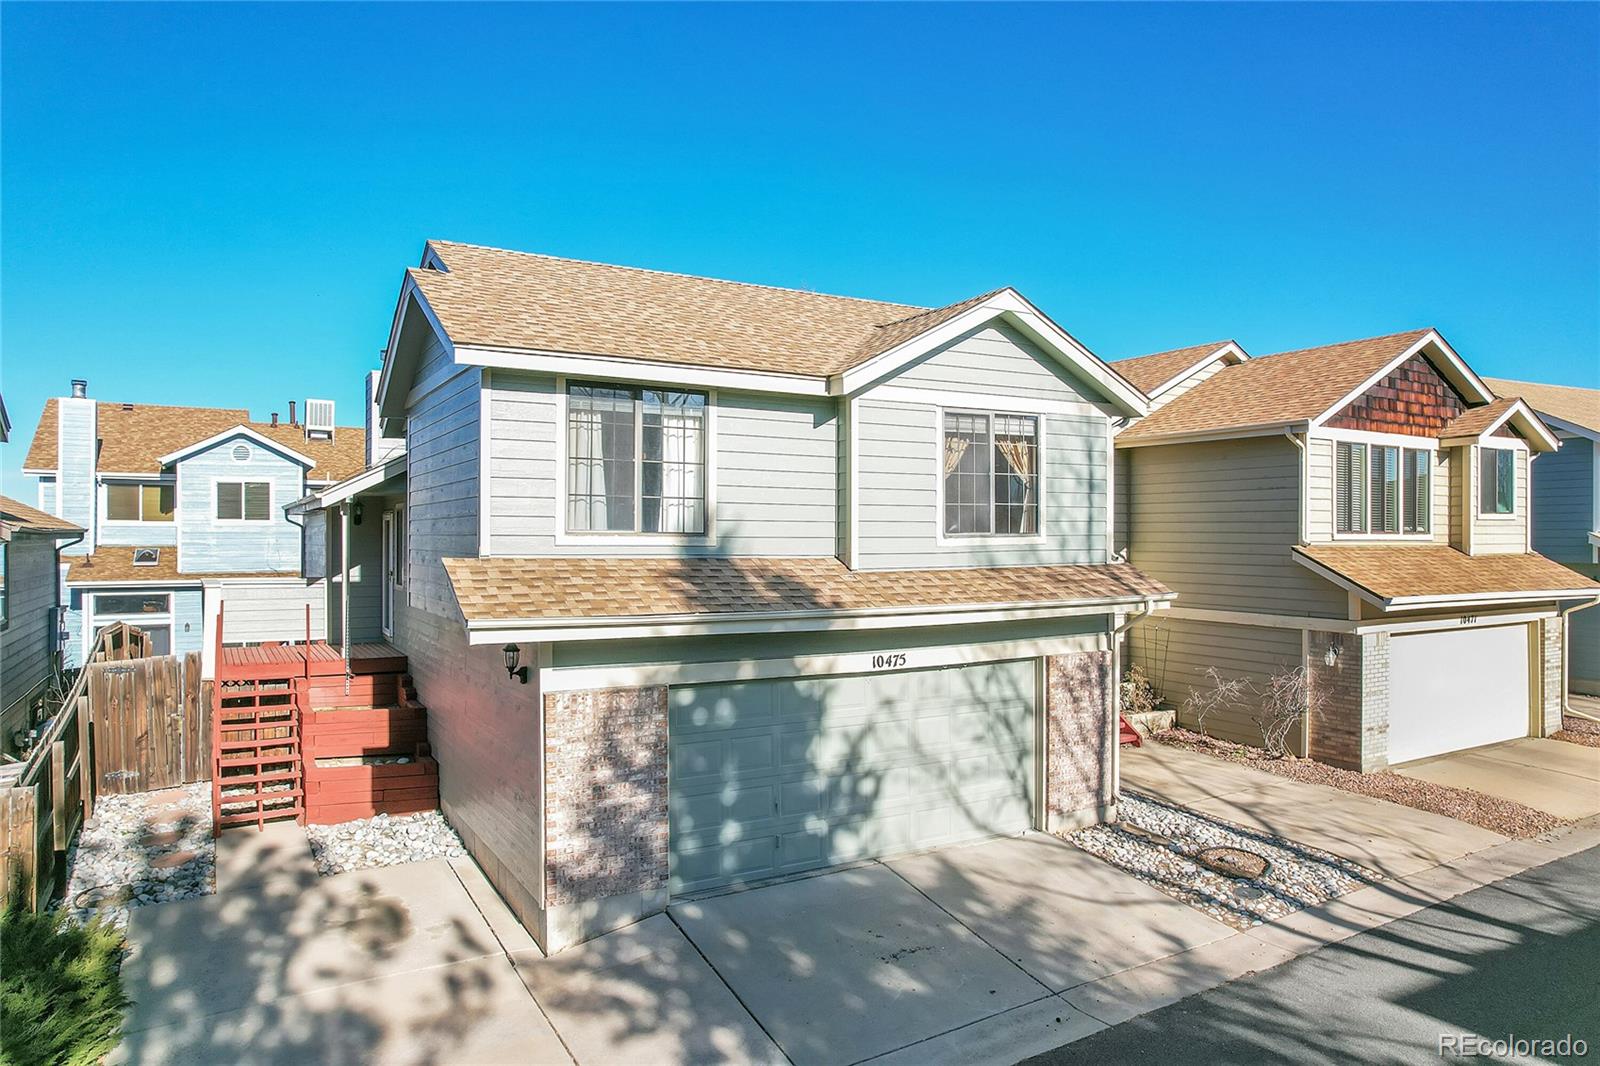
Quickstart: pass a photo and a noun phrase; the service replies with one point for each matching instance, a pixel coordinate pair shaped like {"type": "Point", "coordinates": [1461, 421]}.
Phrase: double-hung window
{"type": "Point", "coordinates": [1382, 489]}
{"type": "Point", "coordinates": [991, 474]}
{"type": "Point", "coordinates": [636, 460]}
{"type": "Point", "coordinates": [135, 501]}
{"type": "Point", "coordinates": [1497, 481]}
{"type": "Point", "coordinates": [244, 501]}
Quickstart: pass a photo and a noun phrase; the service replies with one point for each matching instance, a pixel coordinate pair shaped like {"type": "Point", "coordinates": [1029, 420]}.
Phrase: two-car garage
{"type": "Point", "coordinates": [1453, 689]}
{"type": "Point", "coordinates": [777, 776]}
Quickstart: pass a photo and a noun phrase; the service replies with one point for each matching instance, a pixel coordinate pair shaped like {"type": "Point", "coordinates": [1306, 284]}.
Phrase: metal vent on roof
{"type": "Point", "coordinates": [146, 556]}
{"type": "Point", "coordinates": [319, 419]}
{"type": "Point", "coordinates": [241, 453]}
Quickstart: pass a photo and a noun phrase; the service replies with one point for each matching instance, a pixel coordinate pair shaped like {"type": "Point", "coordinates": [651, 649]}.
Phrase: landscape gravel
{"type": "Point", "coordinates": [383, 841]}
{"type": "Point", "coordinates": [1157, 842]}
{"type": "Point", "coordinates": [117, 861]}
{"type": "Point", "coordinates": [1498, 815]}
{"type": "Point", "coordinates": [1575, 730]}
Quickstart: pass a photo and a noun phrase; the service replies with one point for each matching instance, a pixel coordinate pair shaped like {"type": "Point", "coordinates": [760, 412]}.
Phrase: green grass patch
{"type": "Point", "coordinates": [61, 995]}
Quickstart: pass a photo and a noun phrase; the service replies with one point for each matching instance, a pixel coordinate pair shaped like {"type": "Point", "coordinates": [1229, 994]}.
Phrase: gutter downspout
{"type": "Point", "coordinates": [1117, 633]}
{"type": "Point", "coordinates": [1566, 660]}
{"type": "Point", "coordinates": [344, 589]}
{"type": "Point", "coordinates": [1305, 479]}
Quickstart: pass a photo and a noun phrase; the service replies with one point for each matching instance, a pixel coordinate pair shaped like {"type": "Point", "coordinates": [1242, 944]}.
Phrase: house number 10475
{"type": "Point", "coordinates": [892, 661]}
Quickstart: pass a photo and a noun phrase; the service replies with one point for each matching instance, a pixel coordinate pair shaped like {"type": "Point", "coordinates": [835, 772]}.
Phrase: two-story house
{"type": "Point", "coordinates": [1359, 511]}
{"type": "Point", "coordinates": [704, 582]}
{"type": "Point", "coordinates": [1565, 507]}
{"type": "Point", "coordinates": [184, 508]}
{"type": "Point", "coordinates": [30, 552]}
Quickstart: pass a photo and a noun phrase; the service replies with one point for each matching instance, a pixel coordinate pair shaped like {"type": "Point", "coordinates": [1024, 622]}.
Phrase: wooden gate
{"type": "Point", "coordinates": [152, 723]}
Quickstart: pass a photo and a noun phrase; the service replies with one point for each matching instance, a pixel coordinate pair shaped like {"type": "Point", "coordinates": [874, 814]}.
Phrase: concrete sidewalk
{"type": "Point", "coordinates": [1548, 775]}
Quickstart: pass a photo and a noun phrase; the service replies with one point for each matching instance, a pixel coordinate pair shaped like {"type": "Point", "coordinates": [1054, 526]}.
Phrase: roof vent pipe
{"type": "Point", "coordinates": [292, 422]}
{"type": "Point", "coordinates": [80, 389]}
{"type": "Point", "coordinates": [274, 420]}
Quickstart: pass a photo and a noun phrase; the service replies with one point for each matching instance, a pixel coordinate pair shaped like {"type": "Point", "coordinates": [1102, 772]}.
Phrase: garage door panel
{"type": "Point", "coordinates": [819, 771]}
{"type": "Point", "coordinates": [1456, 689]}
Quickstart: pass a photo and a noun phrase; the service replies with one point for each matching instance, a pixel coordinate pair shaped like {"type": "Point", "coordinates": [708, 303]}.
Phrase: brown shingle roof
{"type": "Point", "coordinates": [1151, 371]}
{"type": "Point", "coordinates": [1274, 389]}
{"type": "Point", "coordinates": [115, 563]}
{"type": "Point", "coordinates": [18, 515]}
{"type": "Point", "coordinates": [134, 436]}
{"type": "Point", "coordinates": [1570, 404]}
{"type": "Point", "coordinates": [1475, 421]}
{"type": "Point", "coordinates": [499, 298]}
{"type": "Point", "coordinates": [1404, 571]}
{"type": "Point", "coordinates": [569, 589]}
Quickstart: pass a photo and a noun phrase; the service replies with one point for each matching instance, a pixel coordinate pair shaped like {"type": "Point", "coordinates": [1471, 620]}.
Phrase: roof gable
{"type": "Point", "coordinates": [1567, 404]}
{"type": "Point", "coordinates": [216, 440]}
{"type": "Point", "coordinates": [1157, 372]}
{"type": "Point", "coordinates": [1412, 399]}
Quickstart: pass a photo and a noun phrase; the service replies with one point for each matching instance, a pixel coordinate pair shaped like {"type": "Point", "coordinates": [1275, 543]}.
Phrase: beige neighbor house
{"type": "Point", "coordinates": [1361, 511]}
{"type": "Point", "coordinates": [706, 582]}
{"type": "Point", "coordinates": [1566, 507]}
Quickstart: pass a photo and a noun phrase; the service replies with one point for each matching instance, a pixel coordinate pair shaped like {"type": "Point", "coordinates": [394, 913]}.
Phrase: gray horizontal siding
{"type": "Point", "coordinates": [1584, 635]}
{"type": "Point", "coordinates": [30, 589]}
{"type": "Point", "coordinates": [1217, 522]}
{"type": "Point", "coordinates": [995, 359]}
{"type": "Point", "coordinates": [775, 469]}
{"type": "Point", "coordinates": [1175, 654]}
{"type": "Point", "coordinates": [206, 545]}
{"type": "Point", "coordinates": [898, 467]}
{"type": "Point", "coordinates": [1563, 501]}
{"type": "Point", "coordinates": [252, 613]}
{"type": "Point", "coordinates": [442, 485]}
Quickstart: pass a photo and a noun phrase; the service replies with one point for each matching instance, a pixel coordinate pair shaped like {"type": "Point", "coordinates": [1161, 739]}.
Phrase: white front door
{"type": "Point", "coordinates": [1456, 689]}
{"type": "Point", "coordinates": [388, 572]}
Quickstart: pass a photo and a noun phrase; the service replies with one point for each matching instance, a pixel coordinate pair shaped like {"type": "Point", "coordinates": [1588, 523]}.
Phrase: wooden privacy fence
{"type": "Point", "coordinates": [130, 723]}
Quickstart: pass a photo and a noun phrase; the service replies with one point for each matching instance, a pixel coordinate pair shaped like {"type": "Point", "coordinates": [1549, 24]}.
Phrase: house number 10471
{"type": "Point", "coordinates": [892, 661]}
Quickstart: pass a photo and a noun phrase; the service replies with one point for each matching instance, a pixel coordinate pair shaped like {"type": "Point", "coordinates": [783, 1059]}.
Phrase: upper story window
{"type": "Point", "coordinates": [1380, 489]}
{"type": "Point", "coordinates": [133, 501]}
{"type": "Point", "coordinates": [991, 474]}
{"type": "Point", "coordinates": [636, 460]}
{"type": "Point", "coordinates": [244, 501]}
{"type": "Point", "coordinates": [1497, 481]}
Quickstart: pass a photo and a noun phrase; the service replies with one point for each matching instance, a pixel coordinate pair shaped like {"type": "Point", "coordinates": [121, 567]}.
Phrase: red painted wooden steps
{"type": "Point", "coordinates": [1126, 734]}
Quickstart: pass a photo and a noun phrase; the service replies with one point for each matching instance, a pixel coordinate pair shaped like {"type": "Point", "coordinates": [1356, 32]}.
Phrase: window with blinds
{"type": "Point", "coordinates": [1350, 503]}
{"type": "Point", "coordinates": [244, 501]}
{"type": "Point", "coordinates": [1381, 489]}
{"type": "Point", "coordinates": [1419, 491]}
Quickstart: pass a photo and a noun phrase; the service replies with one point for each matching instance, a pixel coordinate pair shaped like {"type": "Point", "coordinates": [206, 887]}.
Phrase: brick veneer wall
{"type": "Point", "coordinates": [1412, 399]}
{"type": "Point", "coordinates": [1079, 739]}
{"type": "Point", "coordinates": [605, 793]}
{"type": "Point", "coordinates": [1550, 641]}
{"type": "Point", "coordinates": [1352, 730]}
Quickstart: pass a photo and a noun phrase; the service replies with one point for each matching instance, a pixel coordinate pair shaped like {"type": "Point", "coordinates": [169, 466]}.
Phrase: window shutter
{"type": "Point", "coordinates": [230, 503]}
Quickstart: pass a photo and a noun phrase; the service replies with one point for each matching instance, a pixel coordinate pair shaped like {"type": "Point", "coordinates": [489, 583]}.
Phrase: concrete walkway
{"type": "Point", "coordinates": [1548, 775]}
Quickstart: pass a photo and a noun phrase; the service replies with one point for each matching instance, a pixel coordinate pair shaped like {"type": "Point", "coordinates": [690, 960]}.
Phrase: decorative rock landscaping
{"type": "Point", "coordinates": [383, 841]}
{"type": "Point", "coordinates": [1185, 854]}
{"type": "Point", "coordinates": [151, 847]}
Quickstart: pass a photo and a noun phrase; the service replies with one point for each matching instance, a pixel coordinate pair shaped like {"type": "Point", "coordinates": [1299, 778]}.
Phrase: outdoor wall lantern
{"type": "Point", "coordinates": [355, 513]}
{"type": "Point", "coordinates": [512, 654]}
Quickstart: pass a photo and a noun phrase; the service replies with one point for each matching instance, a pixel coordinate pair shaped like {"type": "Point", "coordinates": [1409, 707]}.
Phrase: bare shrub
{"type": "Point", "coordinates": [1138, 695]}
{"type": "Point", "coordinates": [1288, 699]}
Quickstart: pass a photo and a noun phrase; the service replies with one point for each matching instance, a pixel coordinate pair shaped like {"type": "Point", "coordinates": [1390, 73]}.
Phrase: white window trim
{"type": "Point", "coordinates": [272, 494]}
{"type": "Point", "coordinates": [980, 540]}
{"type": "Point", "coordinates": [136, 523]}
{"type": "Point", "coordinates": [1519, 472]}
{"type": "Point", "coordinates": [1389, 440]}
{"type": "Point", "coordinates": [94, 619]}
{"type": "Point", "coordinates": [625, 540]}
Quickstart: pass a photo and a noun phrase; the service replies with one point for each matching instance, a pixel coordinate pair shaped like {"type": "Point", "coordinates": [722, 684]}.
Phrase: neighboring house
{"type": "Point", "coordinates": [704, 582]}
{"type": "Point", "coordinates": [184, 508]}
{"type": "Point", "coordinates": [1566, 506]}
{"type": "Point", "coordinates": [30, 547]}
{"type": "Point", "coordinates": [1359, 510]}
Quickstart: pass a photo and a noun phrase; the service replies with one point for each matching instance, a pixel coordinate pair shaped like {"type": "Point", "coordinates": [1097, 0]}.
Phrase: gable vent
{"type": "Point", "coordinates": [241, 453]}
{"type": "Point", "coordinates": [319, 419]}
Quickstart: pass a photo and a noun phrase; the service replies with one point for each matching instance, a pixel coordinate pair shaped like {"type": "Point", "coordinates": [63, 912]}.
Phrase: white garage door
{"type": "Point", "coordinates": [1455, 689]}
{"type": "Point", "coordinates": [774, 777]}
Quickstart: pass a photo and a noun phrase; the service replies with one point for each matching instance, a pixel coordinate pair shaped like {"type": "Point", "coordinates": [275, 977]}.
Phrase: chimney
{"type": "Point", "coordinates": [274, 420]}
{"type": "Point", "coordinates": [80, 389]}
{"type": "Point", "coordinates": [292, 422]}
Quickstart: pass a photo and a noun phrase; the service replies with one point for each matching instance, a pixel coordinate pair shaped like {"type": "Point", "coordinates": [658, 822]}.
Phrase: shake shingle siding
{"type": "Point", "coordinates": [775, 470]}
{"type": "Point", "coordinates": [1216, 522]}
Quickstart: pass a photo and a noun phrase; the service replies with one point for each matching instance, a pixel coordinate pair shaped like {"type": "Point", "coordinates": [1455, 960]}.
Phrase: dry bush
{"type": "Point", "coordinates": [1138, 695]}
{"type": "Point", "coordinates": [1288, 699]}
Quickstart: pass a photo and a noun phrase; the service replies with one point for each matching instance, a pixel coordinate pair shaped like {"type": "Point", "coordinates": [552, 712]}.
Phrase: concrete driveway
{"type": "Point", "coordinates": [1395, 841]}
{"type": "Point", "coordinates": [1548, 775]}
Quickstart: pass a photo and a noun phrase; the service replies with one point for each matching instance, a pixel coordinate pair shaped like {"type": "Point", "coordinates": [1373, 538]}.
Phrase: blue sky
{"type": "Point", "coordinates": [213, 205]}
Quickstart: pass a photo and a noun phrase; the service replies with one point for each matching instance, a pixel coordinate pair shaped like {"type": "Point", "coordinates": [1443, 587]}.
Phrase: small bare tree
{"type": "Point", "coordinates": [1288, 699]}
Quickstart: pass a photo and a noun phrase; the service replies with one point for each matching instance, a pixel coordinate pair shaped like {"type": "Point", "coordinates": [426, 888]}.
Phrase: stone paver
{"type": "Point", "coordinates": [1548, 775]}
